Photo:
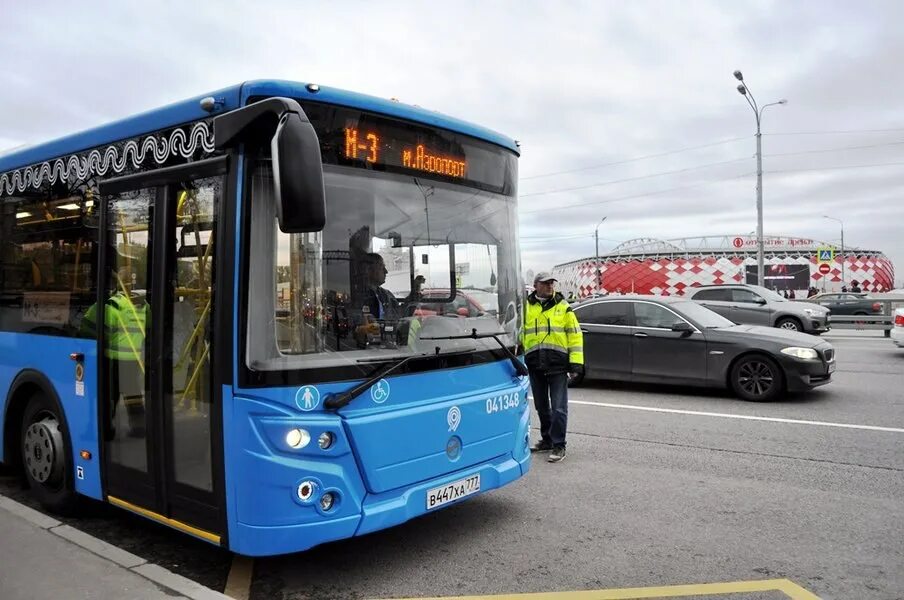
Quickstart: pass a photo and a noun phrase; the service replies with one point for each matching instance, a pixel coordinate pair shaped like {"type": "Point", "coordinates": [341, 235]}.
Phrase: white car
{"type": "Point", "coordinates": [897, 332]}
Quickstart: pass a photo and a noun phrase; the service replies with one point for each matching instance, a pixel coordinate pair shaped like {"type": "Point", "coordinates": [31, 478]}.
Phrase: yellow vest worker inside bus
{"type": "Point", "coordinates": [554, 349]}
{"type": "Point", "coordinates": [125, 326]}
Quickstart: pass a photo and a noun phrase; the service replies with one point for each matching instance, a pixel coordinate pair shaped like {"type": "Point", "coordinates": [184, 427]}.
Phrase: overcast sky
{"type": "Point", "coordinates": [581, 85]}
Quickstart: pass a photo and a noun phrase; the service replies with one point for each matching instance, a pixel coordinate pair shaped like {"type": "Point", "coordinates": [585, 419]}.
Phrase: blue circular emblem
{"type": "Point", "coordinates": [379, 392]}
{"type": "Point", "coordinates": [307, 398]}
{"type": "Point", "coordinates": [453, 448]}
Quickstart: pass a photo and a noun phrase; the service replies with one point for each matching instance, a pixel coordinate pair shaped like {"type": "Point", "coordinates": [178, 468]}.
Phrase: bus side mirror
{"type": "Point", "coordinates": [295, 152]}
{"type": "Point", "coordinates": [298, 175]}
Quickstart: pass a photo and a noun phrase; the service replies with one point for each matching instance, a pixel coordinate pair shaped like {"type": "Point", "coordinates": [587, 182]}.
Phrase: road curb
{"type": "Point", "coordinates": [162, 577]}
{"type": "Point", "coordinates": [29, 514]}
{"type": "Point", "coordinates": [99, 547]}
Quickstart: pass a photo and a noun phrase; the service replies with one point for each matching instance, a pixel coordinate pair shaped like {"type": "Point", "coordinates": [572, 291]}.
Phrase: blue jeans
{"type": "Point", "coordinates": [551, 401]}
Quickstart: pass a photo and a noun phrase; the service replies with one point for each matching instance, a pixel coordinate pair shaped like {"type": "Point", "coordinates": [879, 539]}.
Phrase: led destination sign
{"type": "Point", "coordinates": [419, 158]}
{"type": "Point", "coordinates": [358, 139]}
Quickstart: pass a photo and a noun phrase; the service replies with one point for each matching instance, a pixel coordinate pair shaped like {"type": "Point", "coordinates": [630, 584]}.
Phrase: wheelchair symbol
{"type": "Point", "coordinates": [379, 393]}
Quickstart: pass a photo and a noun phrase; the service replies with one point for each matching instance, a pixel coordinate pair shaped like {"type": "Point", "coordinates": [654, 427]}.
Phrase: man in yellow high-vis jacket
{"type": "Point", "coordinates": [554, 353]}
{"type": "Point", "coordinates": [126, 317]}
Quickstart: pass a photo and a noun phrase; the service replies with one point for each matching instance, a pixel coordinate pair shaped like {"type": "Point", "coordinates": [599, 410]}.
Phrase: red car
{"type": "Point", "coordinates": [432, 304]}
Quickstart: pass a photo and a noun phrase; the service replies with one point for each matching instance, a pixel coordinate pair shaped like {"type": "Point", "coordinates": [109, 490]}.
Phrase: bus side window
{"type": "Point", "coordinates": [48, 254]}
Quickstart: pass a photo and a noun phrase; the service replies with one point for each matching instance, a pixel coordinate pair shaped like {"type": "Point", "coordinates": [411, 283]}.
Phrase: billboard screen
{"type": "Point", "coordinates": [781, 277]}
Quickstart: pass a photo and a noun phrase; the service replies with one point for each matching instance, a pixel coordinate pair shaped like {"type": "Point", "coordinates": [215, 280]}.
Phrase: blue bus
{"type": "Point", "coordinates": [272, 316]}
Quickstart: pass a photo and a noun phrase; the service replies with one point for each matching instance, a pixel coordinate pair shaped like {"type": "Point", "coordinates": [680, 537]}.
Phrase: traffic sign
{"type": "Point", "coordinates": [825, 255]}
{"type": "Point", "coordinates": [824, 268]}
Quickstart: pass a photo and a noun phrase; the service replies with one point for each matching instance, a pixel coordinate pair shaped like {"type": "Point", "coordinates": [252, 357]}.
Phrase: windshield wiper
{"type": "Point", "coordinates": [517, 364]}
{"type": "Point", "coordinates": [340, 399]}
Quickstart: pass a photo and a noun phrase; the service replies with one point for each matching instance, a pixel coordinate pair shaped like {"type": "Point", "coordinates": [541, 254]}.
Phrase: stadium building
{"type": "Point", "coordinates": [668, 267]}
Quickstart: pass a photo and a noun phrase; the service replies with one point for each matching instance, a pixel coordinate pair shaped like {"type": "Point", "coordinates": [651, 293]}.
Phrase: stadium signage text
{"type": "Point", "coordinates": [749, 242]}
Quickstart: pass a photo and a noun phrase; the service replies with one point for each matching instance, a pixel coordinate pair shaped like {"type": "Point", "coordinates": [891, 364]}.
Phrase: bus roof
{"type": "Point", "coordinates": [230, 99]}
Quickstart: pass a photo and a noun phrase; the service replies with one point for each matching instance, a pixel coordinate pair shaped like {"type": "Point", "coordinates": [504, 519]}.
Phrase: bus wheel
{"type": "Point", "coordinates": [45, 456]}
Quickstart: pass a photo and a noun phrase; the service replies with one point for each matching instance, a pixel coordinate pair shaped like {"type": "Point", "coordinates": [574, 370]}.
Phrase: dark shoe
{"type": "Point", "coordinates": [541, 446]}
{"type": "Point", "coordinates": [557, 455]}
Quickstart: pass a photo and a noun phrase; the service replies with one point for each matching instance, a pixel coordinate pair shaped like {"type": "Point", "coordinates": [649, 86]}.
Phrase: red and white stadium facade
{"type": "Point", "coordinates": [668, 267]}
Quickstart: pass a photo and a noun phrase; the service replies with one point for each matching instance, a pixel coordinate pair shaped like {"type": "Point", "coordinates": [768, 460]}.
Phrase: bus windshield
{"type": "Point", "coordinates": [402, 258]}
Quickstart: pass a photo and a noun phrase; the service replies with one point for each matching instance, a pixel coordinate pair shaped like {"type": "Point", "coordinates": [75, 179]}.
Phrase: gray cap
{"type": "Point", "coordinates": [544, 276]}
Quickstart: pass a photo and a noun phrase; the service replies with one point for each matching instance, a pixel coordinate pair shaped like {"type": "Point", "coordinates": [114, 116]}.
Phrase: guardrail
{"type": "Point", "coordinates": [863, 322]}
{"type": "Point", "coordinates": [876, 322]}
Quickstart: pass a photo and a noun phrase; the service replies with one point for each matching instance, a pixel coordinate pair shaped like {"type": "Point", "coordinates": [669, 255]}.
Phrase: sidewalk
{"type": "Point", "coordinates": [42, 558]}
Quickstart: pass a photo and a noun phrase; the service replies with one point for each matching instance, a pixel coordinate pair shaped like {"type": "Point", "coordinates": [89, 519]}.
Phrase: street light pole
{"type": "Point", "coordinates": [596, 236]}
{"type": "Point", "coordinates": [842, 244]}
{"type": "Point", "coordinates": [744, 90]}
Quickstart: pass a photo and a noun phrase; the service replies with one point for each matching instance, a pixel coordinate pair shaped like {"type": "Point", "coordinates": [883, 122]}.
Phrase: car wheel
{"type": "Point", "coordinates": [46, 459]}
{"type": "Point", "coordinates": [860, 313]}
{"type": "Point", "coordinates": [577, 381]}
{"type": "Point", "coordinates": [789, 323]}
{"type": "Point", "coordinates": [757, 378]}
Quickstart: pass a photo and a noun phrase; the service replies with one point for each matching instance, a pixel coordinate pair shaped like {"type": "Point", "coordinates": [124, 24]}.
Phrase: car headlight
{"type": "Point", "coordinates": [801, 353]}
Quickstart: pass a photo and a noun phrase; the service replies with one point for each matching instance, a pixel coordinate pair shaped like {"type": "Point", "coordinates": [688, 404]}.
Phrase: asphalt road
{"type": "Point", "coordinates": [644, 498]}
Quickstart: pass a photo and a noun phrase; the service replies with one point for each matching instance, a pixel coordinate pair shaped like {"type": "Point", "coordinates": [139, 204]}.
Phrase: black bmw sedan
{"type": "Point", "coordinates": [657, 339]}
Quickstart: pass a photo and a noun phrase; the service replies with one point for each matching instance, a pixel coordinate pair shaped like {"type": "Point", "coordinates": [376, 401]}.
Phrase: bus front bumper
{"type": "Point", "coordinates": [392, 508]}
{"type": "Point", "coordinates": [379, 511]}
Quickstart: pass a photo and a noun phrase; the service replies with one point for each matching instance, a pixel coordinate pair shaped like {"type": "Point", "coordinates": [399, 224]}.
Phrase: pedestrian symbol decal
{"type": "Point", "coordinates": [379, 392]}
{"type": "Point", "coordinates": [307, 398]}
{"type": "Point", "coordinates": [825, 255]}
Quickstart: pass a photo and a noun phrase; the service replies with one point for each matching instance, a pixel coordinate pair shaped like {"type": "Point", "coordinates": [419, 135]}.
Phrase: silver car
{"type": "Point", "coordinates": [755, 305]}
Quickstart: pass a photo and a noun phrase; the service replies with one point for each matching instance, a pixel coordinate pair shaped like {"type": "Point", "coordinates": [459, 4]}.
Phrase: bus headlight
{"type": "Point", "coordinates": [327, 501]}
{"type": "Point", "coordinates": [325, 440]}
{"type": "Point", "coordinates": [298, 438]}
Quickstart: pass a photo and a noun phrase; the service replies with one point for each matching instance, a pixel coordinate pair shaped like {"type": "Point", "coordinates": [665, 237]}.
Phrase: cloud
{"type": "Point", "coordinates": [579, 84]}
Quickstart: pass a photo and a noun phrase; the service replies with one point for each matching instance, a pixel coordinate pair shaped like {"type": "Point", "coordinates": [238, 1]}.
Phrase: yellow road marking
{"type": "Point", "coordinates": [238, 584]}
{"type": "Point", "coordinates": [787, 587]}
{"type": "Point", "coordinates": [796, 592]}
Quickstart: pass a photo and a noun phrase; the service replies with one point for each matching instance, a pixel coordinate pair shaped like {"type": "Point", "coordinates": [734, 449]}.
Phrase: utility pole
{"type": "Point", "coordinates": [744, 90]}
{"type": "Point", "coordinates": [760, 251]}
{"type": "Point", "coordinates": [596, 236]}
{"type": "Point", "coordinates": [840, 222]}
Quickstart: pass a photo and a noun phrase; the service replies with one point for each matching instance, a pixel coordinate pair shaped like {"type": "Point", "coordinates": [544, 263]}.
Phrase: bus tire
{"type": "Point", "coordinates": [46, 456]}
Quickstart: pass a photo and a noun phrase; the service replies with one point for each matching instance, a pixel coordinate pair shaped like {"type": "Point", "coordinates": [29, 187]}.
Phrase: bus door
{"type": "Point", "coordinates": [160, 414]}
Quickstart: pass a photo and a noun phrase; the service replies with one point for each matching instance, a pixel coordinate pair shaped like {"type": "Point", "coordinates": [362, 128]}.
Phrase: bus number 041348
{"type": "Point", "coordinates": [504, 402]}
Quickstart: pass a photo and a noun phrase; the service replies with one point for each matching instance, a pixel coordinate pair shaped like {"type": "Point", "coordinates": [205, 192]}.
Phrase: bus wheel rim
{"type": "Point", "coordinates": [41, 449]}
